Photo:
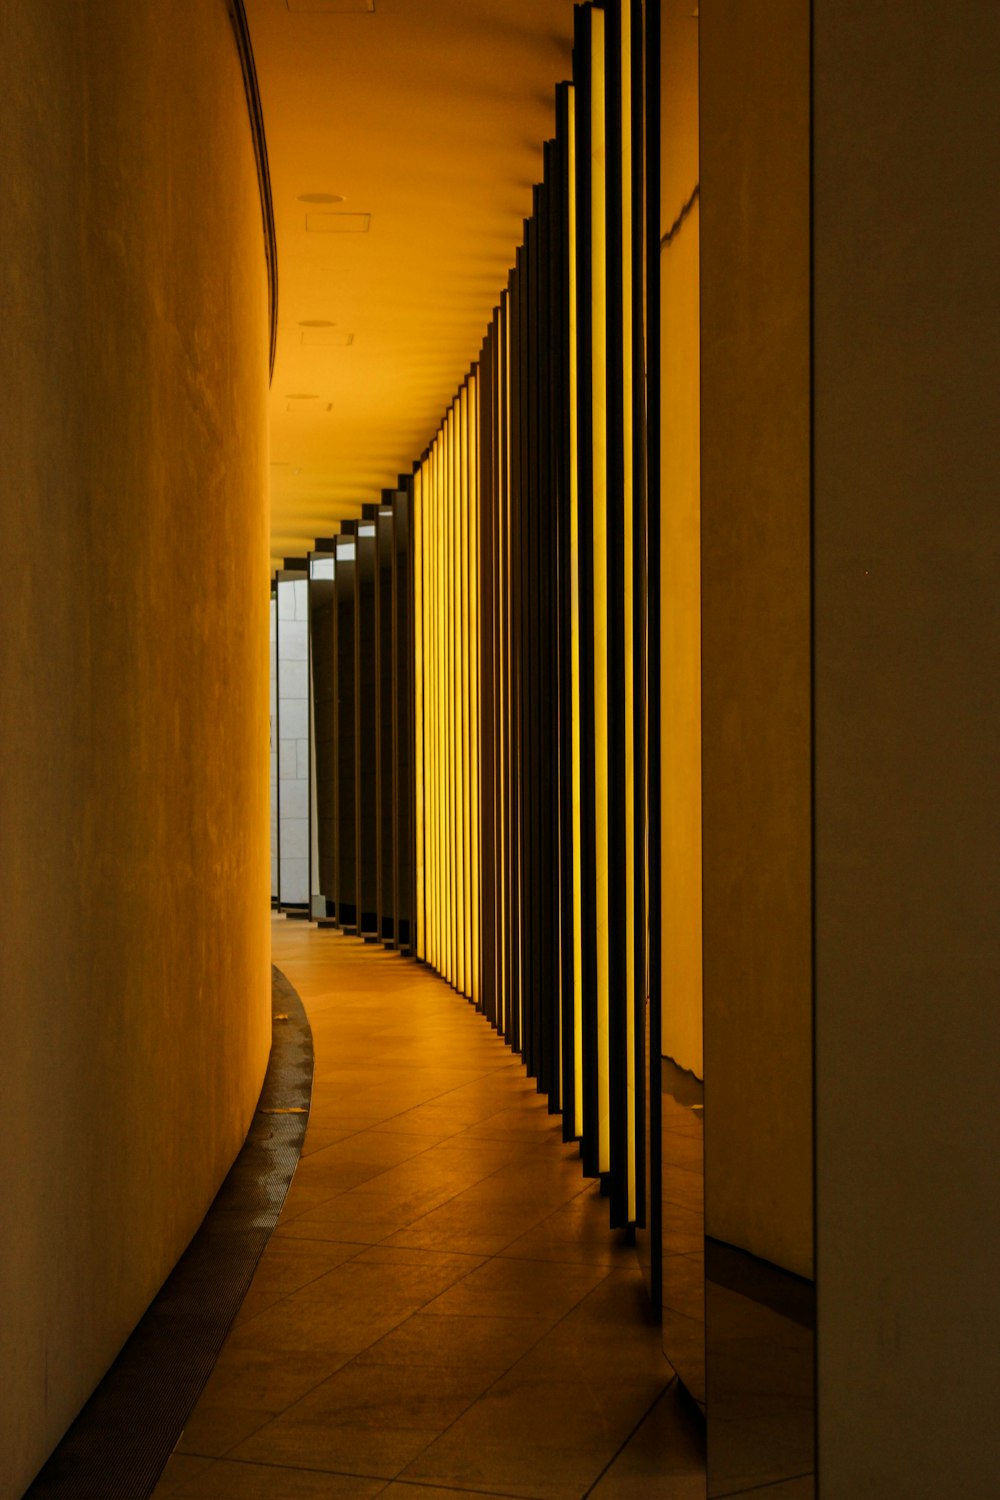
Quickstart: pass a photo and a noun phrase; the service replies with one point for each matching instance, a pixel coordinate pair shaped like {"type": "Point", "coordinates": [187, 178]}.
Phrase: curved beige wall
{"type": "Point", "coordinates": [133, 641]}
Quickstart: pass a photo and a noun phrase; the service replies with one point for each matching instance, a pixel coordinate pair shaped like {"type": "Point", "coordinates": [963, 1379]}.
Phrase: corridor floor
{"type": "Point", "coordinates": [442, 1309]}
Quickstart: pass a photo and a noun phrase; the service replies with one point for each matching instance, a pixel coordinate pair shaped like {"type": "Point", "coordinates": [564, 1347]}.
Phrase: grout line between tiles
{"type": "Point", "coordinates": [616, 1455]}
{"type": "Point", "coordinates": [767, 1484]}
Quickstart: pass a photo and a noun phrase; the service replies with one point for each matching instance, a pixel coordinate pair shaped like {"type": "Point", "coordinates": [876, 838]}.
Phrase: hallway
{"type": "Point", "coordinates": [442, 1308]}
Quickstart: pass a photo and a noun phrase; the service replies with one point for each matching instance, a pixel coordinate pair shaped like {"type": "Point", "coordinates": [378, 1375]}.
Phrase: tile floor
{"type": "Point", "coordinates": [442, 1309]}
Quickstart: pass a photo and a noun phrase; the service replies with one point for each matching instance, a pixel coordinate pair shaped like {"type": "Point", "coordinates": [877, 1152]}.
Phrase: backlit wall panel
{"type": "Point", "coordinates": [488, 624]}
{"type": "Point", "coordinates": [530, 624]}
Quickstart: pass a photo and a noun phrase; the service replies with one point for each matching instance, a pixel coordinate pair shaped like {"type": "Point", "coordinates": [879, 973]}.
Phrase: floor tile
{"type": "Point", "coordinates": [401, 1489]}
{"type": "Point", "coordinates": [443, 1309]}
{"type": "Point", "coordinates": [664, 1457]}
{"type": "Point", "coordinates": [529, 1436]}
{"type": "Point", "coordinates": [181, 1469]}
{"type": "Point", "coordinates": [226, 1480]}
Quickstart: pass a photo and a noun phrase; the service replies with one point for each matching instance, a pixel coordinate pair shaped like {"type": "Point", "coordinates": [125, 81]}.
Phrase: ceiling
{"type": "Point", "coordinates": [424, 120]}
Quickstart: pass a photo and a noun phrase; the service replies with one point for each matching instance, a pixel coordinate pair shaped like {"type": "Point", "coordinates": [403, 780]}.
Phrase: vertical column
{"type": "Point", "coordinates": [345, 867]}
{"type": "Point", "coordinates": [386, 830]}
{"type": "Point", "coordinates": [321, 721]}
{"type": "Point", "coordinates": [365, 727]}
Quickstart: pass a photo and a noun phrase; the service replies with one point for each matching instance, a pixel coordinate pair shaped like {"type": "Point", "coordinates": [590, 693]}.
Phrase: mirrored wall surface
{"type": "Point", "coordinates": [683, 1226]}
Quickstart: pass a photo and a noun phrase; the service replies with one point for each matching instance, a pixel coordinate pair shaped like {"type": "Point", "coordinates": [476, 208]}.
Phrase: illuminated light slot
{"type": "Point", "coordinates": [438, 766]}
{"type": "Point", "coordinates": [448, 586]}
{"type": "Point", "coordinates": [431, 773]}
{"type": "Point", "coordinates": [463, 682]}
{"type": "Point", "coordinates": [465, 688]}
{"type": "Point", "coordinates": [598, 352]}
{"type": "Point", "coordinates": [436, 726]}
{"type": "Point", "coordinates": [574, 493]}
{"type": "Point", "coordinates": [418, 708]}
{"type": "Point", "coordinates": [625, 52]}
{"type": "Point", "coordinates": [452, 674]}
{"type": "Point", "coordinates": [500, 409]}
{"type": "Point", "coordinates": [474, 765]}
{"type": "Point", "coordinates": [458, 617]}
{"type": "Point", "coordinates": [430, 768]}
{"type": "Point", "coordinates": [514, 802]}
{"type": "Point", "coordinates": [432, 533]}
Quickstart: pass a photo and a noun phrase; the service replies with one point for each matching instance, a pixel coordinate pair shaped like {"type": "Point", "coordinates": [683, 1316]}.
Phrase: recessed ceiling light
{"type": "Point", "coordinates": [321, 197]}
{"type": "Point", "coordinates": [316, 323]}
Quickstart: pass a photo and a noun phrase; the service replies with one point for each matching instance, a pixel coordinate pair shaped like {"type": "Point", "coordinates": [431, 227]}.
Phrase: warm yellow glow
{"type": "Point", "coordinates": [628, 540]}
{"type": "Point", "coordinates": [418, 698]}
{"type": "Point", "coordinates": [503, 712]}
{"type": "Point", "coordinates": [465, 507]}
{"type": "Point", "coordinates": [474, 778]}
{"type": "Point", "coordinates": [454, 659]}
{"type": "Point", "coordinates": [430, 769]}
{"type": "Point", "coordinates": [441, 725]}
{"type": "Point", "coordinates": [680, 914]}
{"type": "Point", "coordinates": [574, 547]}
{"type": "Point", "coordinates": [598, 233]}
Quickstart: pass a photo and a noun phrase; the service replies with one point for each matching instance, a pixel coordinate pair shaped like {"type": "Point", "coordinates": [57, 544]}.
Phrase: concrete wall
{"type": "Point", "coordinates": [907, 546]}
{"type": "Point", "coordinates": [133, 652]}
{"type": "Point", "coordinates": [755, 443]}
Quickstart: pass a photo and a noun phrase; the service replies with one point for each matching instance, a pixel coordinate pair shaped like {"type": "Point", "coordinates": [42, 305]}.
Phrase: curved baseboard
{"type": "Point", "coordinates": [120, 1443]}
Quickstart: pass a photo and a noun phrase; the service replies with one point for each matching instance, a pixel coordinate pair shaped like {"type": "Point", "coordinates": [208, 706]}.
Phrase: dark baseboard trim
{"type": "Point", "coordinates": [120, 1443]}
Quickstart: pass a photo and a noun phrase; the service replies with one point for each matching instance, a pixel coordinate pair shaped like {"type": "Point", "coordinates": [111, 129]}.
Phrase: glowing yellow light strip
{"type": "Point", "coordinates": [418, 702]}
{"type": "Point", "coordinates": [502, 719]}
{"type": "Point", "coordinates": [598, 232]}
{"type": "Point", "coordinates": [629, 506]}
{"type": "Point", "coordinates": [574, 547]}
{"type": "Point", "coordinates": [458, 616]}
{"type": "Point", "coordinates": [443, 770]}
{"type": "Point", "coordinates": [474, 783]}
{"type": "Point", "coordinates": [465, 570]}
{"type": "Point", "coordinates": [452, 674]}
{"type": "Point", "coordinates": [440, 776]}
{"type": "Point", "coordinates": [429, 722]}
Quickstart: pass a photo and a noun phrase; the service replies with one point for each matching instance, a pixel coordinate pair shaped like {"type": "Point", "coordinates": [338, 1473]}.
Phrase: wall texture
{"type": "Point", "coordinates": [907, 562]}
{"type": "Point", "coordinates": [680, 541]}
{"type": "Point", "coordinates": [756, 627]}
{"type": "Point", "coordinates": [133, 640]}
